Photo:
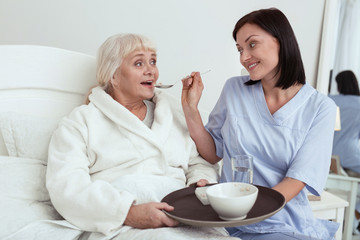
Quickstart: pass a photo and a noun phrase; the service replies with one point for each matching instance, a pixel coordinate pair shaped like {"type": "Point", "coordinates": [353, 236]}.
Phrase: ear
{"type": "Point", "coordinates": [114, 82]}
{"type": "Point", "coordinates": [114, 79]}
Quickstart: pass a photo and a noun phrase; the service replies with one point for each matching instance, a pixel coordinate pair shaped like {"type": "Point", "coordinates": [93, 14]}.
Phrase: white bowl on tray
{"type": "Point", "coordinates": [232, 200]}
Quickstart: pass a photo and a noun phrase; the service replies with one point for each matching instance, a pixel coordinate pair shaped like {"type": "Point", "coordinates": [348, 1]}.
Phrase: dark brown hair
{"type": "Point", "coordinates": [273, 21]}
{"type": "Point", "coordinates": [347, 83]}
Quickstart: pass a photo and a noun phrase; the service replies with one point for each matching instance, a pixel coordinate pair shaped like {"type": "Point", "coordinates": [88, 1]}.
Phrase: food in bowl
{"type": "Point", "coordinates": [232, 200]}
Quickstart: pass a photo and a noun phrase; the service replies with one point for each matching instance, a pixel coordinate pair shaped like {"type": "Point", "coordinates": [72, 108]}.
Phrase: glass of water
{"type": "Point", "coordinates": [242, 168]}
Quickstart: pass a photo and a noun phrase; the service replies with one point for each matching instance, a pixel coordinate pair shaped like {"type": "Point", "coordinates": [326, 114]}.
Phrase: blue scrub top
{"type": "Point", "coordinates": [347, 140]}
{"type": "Point", "coordinates": [293, 142]}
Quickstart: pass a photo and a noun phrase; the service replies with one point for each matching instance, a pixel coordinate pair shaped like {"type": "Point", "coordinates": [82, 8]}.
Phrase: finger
{"type": "Point", "coordinates": [197, 78]}
{"type": "Point", "coordinates": [197, 82]}
{"type": "Point", "coordinates": [202, 183]}
{"type": "Point", "coordinates": [169, 222]}
{"type": "Point", "coordinates": [189, 76]}
{"type": "Point", "coordinates": [188, 82]}
{"type": "Point", "coordinates": [184, 83]}
{"type": "Point", "coordinates": [165, 207]}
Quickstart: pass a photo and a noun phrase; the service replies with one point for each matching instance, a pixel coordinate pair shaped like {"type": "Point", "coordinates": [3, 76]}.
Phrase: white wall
{"type": "Point", "coordinates": [190, 34]}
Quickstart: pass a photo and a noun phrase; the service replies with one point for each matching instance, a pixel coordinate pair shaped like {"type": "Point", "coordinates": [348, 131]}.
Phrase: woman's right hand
{"type": "Point", "coordinates": [149, 215]}
{"type": "Point", "coordinates": [190, 97]}
{"type": "Point", "coordinates": [191, 92]}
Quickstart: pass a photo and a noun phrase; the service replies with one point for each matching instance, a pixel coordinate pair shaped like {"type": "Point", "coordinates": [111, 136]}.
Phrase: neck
{"type": "Point", "coordinates": [276, 97]}
{"type": "Point", "coordinates": [138, 109]}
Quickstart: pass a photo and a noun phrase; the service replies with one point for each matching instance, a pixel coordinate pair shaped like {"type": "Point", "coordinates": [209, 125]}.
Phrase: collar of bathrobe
{"type": "Point", "coordinates": [160, 129]}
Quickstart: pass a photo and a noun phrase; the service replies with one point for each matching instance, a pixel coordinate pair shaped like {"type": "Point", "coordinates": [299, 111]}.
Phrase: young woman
{"type": "Point", "coordinates": [273, 115]}
{"type": "Point", "coordinates": [347, 141]}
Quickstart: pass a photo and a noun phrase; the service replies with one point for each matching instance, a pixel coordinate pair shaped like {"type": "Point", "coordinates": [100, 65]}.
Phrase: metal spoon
{"type": "Point", "coordinates": [170, 85]}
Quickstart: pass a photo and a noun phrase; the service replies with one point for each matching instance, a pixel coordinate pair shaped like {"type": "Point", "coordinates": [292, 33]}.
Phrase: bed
{"type": "Point", "coordinates": [38, 86]}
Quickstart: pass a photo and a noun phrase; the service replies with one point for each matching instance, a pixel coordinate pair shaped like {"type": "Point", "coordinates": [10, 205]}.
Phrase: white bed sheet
{"type": "Point", "coordinates": [27, 213]}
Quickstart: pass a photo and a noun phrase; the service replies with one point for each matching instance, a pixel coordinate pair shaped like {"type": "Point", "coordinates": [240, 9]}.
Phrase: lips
{"type": "Point", "coordinates": [252, 65]}
{"type": "Point", "coordinates": [147, 83]}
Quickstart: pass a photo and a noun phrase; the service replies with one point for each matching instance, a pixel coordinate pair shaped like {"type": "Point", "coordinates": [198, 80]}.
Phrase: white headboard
{"type": "Point", "coordinates": [43, 81]}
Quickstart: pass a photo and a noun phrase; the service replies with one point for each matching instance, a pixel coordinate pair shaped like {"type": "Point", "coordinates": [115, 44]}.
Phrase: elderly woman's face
{"type": "Point", "coordinates": [134, 80]}
{"type": "Point", "coordinates": [259, 51]}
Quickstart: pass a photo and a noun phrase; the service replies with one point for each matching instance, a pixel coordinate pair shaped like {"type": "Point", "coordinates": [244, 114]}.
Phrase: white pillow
{"type": "Point", "coordinates": [27, 136]}
{"type": "Point", "coordinates": [23, 194]}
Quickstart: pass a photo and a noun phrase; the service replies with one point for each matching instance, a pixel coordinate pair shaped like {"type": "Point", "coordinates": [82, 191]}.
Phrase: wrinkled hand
{"type": "Point", "coordinates": [149, 215]}
{"type": "Point", "coordinates": [191, 92]}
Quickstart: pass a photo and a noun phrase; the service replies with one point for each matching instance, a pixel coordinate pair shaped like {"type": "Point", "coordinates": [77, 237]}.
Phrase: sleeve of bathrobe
{"type": "Point", "coordinates": [200, 169]}
{"type": "Point", "coordinates": [90, 205]}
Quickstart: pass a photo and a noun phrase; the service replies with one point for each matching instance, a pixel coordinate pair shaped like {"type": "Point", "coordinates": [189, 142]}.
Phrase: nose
{"type": "Point", "coordinates": [150, 69]}
{"type": "Point", "coordinates": [245, 56]}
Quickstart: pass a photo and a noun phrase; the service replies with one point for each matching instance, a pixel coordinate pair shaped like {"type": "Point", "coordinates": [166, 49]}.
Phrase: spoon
{"type": "Point", "coordinates": [170, 85]}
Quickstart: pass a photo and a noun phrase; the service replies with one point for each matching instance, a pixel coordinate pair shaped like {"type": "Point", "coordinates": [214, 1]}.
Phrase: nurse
{"type": "Point", "coordinates": [275, 116]}
{"type": "Point", "coordinates": [347, 141]}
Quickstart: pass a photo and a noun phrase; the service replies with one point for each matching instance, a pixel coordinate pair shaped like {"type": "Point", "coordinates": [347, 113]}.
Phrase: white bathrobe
{"type": "Point", "coordinates": [103, 159]}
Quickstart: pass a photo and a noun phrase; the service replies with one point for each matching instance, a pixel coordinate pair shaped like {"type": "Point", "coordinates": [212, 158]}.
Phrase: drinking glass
{"type": "Point", "coordinates": [242, 168]}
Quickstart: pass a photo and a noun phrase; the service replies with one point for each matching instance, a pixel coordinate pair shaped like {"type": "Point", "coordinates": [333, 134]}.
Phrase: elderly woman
{"type": "Point", "coordinates": [113, 160]}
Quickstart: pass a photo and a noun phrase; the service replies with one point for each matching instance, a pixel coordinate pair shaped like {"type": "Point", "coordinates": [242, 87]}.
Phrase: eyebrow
{"type": "Point", "coordinates": [141, 55]}
{"type": "Point", "coordinates": [248, 38]}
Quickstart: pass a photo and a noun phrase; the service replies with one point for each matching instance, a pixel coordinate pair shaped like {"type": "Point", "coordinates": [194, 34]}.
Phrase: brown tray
{"type": "Point", "coordinates": [189, 210]}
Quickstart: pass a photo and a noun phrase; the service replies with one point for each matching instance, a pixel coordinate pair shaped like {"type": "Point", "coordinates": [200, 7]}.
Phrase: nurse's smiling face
{"type": "Point", "coordinates": [134, 80]}
{"type": "Point", "coordinates": [259, 52]}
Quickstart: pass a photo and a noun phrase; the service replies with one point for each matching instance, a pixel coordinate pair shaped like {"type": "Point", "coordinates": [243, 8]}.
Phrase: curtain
{"type": "Point", "coordinates": [347, 50]}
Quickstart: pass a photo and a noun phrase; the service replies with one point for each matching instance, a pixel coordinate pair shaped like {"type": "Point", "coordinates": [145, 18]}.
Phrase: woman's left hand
{"type": "Point", "coordinates": [150, 215]}
{"type": "Point", "coordinates": [202, 183]}
{"type": "Point", "coordinates": [289, 187]}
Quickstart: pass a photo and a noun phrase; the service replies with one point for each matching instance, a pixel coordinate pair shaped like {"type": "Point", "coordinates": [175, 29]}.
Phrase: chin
{"type": "Point", "coordinates": [253, 77]}
{"type": "Point", "coordinates": [150, 95]}
{"type": "Point", "coordinates": [256, 77]}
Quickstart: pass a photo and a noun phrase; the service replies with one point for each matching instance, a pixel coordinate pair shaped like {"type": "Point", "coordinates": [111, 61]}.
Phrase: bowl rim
{"type": "Point", "coordinates": [227, 183]}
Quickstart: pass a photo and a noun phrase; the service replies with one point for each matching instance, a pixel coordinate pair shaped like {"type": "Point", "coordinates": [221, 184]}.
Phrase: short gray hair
{"type": "Point", "coordinates": [114, 50]}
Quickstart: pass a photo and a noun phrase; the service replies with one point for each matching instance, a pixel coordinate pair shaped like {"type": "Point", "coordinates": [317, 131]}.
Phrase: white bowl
{"type": "Point", "coordinates": [232, 200]}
